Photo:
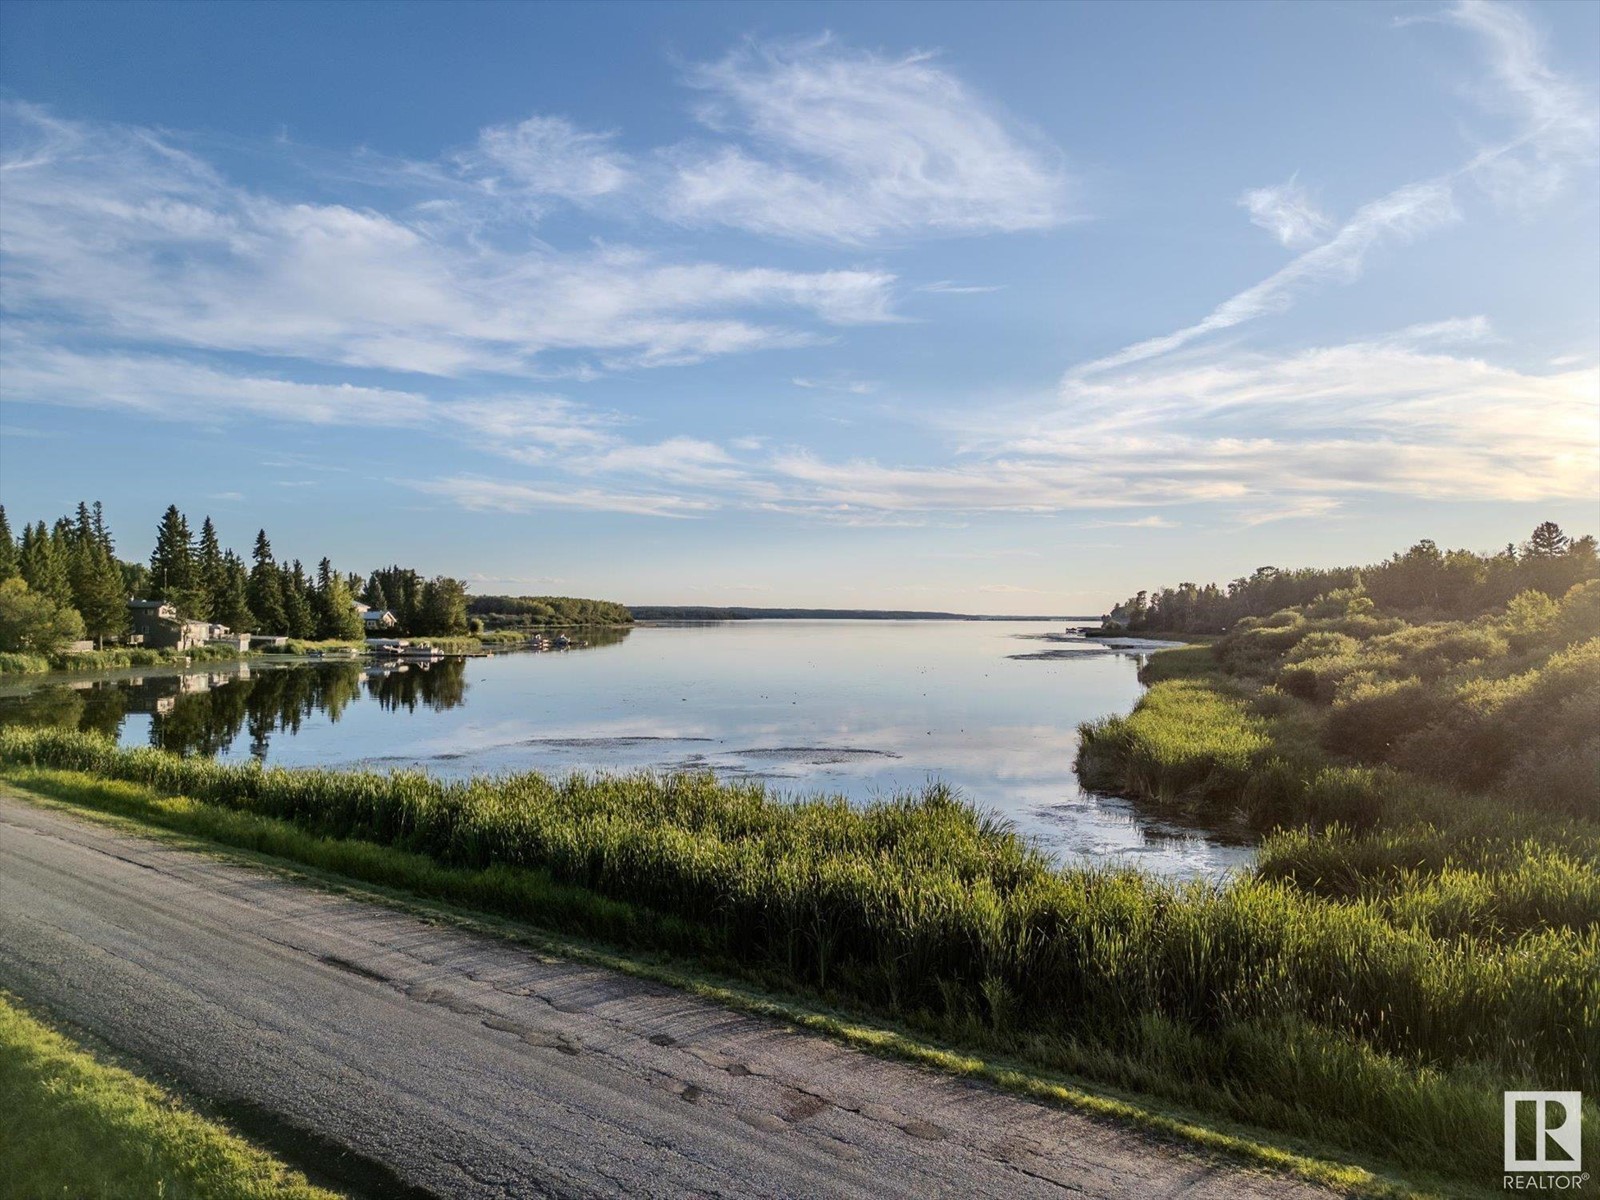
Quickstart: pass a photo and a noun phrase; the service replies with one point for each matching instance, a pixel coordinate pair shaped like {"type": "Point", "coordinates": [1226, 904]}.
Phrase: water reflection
{"type": "Point", "coordinates": [858, 709]}
{"type": "Point", "coordinates": [206, 712]}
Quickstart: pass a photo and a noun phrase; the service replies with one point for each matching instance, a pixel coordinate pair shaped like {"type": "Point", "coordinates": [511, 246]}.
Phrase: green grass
{"type": "Point", "coordinates": [304, 646]}
{"type": "Point", "coordinates": [75, 1126]}
{"type": "Point", "coordinates": [112, 659]}
{"type": "Point", "coordinates": [469, 898]}
{"type": "Point", "coordinates": [1254, 1002]}
{"type": "Point", "coordinates": [21, 663]}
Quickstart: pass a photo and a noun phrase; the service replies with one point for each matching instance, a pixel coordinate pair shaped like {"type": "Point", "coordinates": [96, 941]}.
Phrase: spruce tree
{"type": "Point", "coordinates": [1547, 541]}
{"type": "Point", "coordinates": [336, 613]}
{"type": "Point", "coordinates": [265, 589]}
{"type": "Point", "coordinates": [42, 568]}
{"type": "Point", "coordinates": [8, 549]}
{"type": "Point", "coordinates": [374, 596]}
{"type": "Point", "coordinates": [211, 576]}
{"type": "Point", "coordinates": [231, 603]}
{"type": "Point", "coordinates": [97, 591]}
{"type": "Point", "coordinates": [102, 534]}
{"type": "Point", "coordinates": [298, 622]}
{"type": "Point", "coordinates": [172, 565]}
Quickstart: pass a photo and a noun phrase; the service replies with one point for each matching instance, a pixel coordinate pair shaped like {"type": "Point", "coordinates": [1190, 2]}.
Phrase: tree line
{"type": "Point", "coordinates": [548, 610]}
{"type": "Point", "coordinates": [65, 582]}
{"type": "Point", "coordinates": [1424, 581]}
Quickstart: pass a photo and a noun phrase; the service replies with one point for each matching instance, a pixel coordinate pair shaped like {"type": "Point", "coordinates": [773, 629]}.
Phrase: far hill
{"type": "Point", "coordinates": [684, 612]}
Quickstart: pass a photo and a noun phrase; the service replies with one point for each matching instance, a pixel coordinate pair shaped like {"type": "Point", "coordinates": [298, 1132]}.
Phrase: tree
{"type": "Point", "coordinates": [97, 584]}
{"type": "Point", "coordinates": [297, 619]}
{"type": "Point", "coordinates": [1546, 541]}
{"type": "Point", "coordinates": [97, 590]}
{"type": "Point", "coordinates": [265, 589]}
{"type": "Point", "coordinates": [31, 622]}
{"type": "Point", "coordinates": [97, 521]}
{"type": "Point", "coordinates": [374, 594]}
{"type": "Point", "coordinates": [8, 549]}
{"type": "Point", "coordinates": [337, 617]}
{"type": "Point", "coordinates": [173, 576]}
{"type": "Point", "coordinates": [44, 571]}
{"type": "Point", "coordinates": [443, 608]}
{"type": "Point", "coordinates": [210, 574]}
{"type": "Point", "coordinates": [231, 603]}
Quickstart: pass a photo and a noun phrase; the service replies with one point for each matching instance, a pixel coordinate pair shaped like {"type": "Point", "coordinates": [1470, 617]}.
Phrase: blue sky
{"type": "Point", "coordinates": [985, 307]}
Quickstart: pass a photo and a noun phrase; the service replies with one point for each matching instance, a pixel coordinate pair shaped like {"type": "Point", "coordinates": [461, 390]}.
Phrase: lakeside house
{"type": "Point", "coordinates": [157, 625]}
{"type": "Point", "coordinates": [375, 620]}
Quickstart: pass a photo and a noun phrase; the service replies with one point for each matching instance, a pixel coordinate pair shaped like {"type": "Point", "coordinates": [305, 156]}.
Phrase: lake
{"type": "Point", "coordinates": [859, 708]}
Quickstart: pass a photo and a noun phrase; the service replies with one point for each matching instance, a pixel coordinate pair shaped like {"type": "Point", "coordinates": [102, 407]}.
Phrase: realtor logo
{"type": "Point", "coordinates": [1544, 1131]}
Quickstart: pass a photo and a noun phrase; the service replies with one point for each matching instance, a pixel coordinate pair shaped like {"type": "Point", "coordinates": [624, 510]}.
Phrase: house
{"type": "Point", "coordinates": [156, 624]}
{"type": "Point", "coordinates": [378, 618]}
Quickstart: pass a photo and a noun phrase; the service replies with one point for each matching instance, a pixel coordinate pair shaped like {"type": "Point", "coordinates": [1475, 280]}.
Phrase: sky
{"type": "Point", "coordinates": [976, 307]}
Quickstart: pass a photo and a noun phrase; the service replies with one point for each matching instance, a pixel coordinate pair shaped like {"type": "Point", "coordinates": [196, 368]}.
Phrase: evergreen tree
{"type": "Point", "coordinates": [336, 613]}
{"type": "Point", "coordinates": [210, 575]}
{"type": "Point", "coordinates": [1547, 541]}
{"type": "Point", "coordinates": [44, 571]}
{"type": "Point", "coordinates": [102, 534]}
{"type": "Point", "coordinates": [8, 549]}
{"type": "Point", "coordinates": [172, 565]}
{"type": "Point", "coordinates": [265, 589]}
{"type": "Point", "coordinates": [297, 620]}
{"type": "Point", "coordinates": [374, 594]}
{"type": "Point", "coordinates": [96, 579]}
{"type": "Point", "coordinates": [231, 603]}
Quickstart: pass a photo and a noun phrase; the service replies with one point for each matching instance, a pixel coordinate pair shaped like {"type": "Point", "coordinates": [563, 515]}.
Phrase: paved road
{"type": "Point", "coordinates": [466, 1066]}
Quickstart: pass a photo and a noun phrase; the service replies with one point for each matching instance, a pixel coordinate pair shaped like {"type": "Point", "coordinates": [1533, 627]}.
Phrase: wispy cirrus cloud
{"type": "Point", "coordinates": [489, 495]}
{"type": "Point", "coordinates": [1555, 130]}
{"type": "Point", "coordinates": [123, 232]}
{"type": "Point", "coordinates": [548, 156]}
{"type": "Point", "coordinates": [846, 146]}
{"type": "Point", "coordinates": [1287, 212]}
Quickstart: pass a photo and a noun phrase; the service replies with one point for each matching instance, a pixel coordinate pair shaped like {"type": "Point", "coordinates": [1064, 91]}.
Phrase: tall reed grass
{"type": "Point", "coordinates": [1255, 996]}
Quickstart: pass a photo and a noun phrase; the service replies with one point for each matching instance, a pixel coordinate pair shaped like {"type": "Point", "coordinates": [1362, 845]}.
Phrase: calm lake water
{"type": "Point", "coordinates": [861, 708]}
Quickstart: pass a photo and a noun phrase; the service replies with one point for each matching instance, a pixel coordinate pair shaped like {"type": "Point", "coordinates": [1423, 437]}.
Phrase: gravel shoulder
{"type": "Point", "coordinates": [419, 1059]}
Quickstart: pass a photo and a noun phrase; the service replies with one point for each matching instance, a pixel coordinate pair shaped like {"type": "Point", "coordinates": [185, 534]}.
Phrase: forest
{"type": "Point", "coordinates": [1421, 581]}
{"type": "Point", "coordinates": [65, 582]}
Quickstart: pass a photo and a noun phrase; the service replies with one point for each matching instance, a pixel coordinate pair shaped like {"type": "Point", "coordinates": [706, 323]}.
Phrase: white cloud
{"type": "Point", "coordinates": [119, 230]}
{"type": "Point", "coordinates": [846, 146]}
{"type": "Point", "coordinates": [549, 156]}
{"type": "Point", "coordinates": [1287, 212]}
{"type": "Point", "coordinates": [1556, 129]}
{"type": "Point", "coordinates": [1557, 123]}
{"type": "Point", "coordinates": [488, 495]}
{"type": "Point", "coordinates": [1151, 522]}
{"type": "Point", "coordinates": [172, 389]}
{"type": "Point", "coordinates": [855, 387]}
{"type": "Point", "coordinates": [1400, 216]}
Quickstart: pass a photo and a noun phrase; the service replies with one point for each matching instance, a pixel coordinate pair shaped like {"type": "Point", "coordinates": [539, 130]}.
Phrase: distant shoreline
{"type": "Point", "coordinates": [693, 612]}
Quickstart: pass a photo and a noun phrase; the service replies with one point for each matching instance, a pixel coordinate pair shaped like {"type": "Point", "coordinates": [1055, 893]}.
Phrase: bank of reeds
{"type": "Point", "coordinates": [1254, 998]}
{"type": "Point", "coordinates": [110, 659]}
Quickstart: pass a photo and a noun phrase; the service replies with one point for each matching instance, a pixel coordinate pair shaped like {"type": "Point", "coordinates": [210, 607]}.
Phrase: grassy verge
{"type": "Point", "coordinates": [77, 1126]}
{"type": "Point", "coordinates": [1252, 1003]}
{"type": "Point", "coordinates": [115, 658]}
{"type": "Point", "coordinates": [479, 899]}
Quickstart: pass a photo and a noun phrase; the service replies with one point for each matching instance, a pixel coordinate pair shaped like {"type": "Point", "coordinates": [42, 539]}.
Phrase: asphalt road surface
{"type": "Point", "coordinates": [410, 1059]}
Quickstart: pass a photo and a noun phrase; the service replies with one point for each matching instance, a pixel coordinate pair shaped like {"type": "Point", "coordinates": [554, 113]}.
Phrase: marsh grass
{"type": "Point", "coordinates": [77, 1126]}
{"type": "Point", "coordinates": [1254, 1000]}
{"type": "Point", "coordinates": [116, 657]}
